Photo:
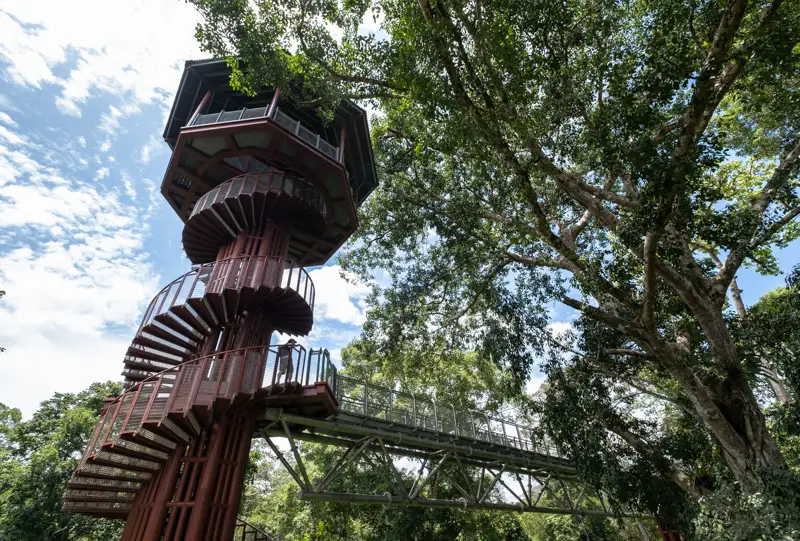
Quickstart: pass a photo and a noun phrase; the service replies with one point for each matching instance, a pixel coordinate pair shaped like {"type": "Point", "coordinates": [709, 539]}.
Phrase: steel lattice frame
{"type": "Point", "coordinates": [505, 480]}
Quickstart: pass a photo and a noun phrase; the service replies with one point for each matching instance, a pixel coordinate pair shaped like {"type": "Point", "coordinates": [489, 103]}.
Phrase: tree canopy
{"type": "Point", "coordinates": [625, 160]}
{"type": "Point", "coordinates": [37, 456]}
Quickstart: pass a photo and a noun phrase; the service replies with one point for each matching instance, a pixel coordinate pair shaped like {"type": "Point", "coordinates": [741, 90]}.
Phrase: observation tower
{"type": "Point", "coordinates": [264, 189]}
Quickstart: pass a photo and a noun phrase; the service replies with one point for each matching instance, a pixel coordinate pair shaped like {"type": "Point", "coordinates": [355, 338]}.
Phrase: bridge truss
{"type": "Point", "coordinates": [423, 454]}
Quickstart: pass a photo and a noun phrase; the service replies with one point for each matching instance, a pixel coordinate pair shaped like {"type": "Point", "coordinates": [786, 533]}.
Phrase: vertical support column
{"type": "Point", "coordinates": [205, 487]}
{"type": "Point", "coordinates": [158, 512]}
{"type": "Point", "coordinates": [274, 103]}
{"type": "Point", "coordinates": [237, 478]}
{"type": "Point", "coordinates": [342, 139]}
{"type": "Point", "coordinates": [201, 107]}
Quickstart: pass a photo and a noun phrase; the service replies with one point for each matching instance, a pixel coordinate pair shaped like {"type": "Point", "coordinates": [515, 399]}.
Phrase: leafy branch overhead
{"type": "Point", "coordinates": [625, 160]}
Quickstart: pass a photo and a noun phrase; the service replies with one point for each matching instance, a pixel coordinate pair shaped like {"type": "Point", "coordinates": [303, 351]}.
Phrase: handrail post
{"type": "Point", "coordinates": [308, 368]}
{"type": "Point", "coordinates": [124, 424]}
{"type": "Point", "coordinates": [489, 428]}
{"type": "Point", "coordinates": [273, 105]}
{"type": "Point", "coordinates": [274, 366]}
{"type": "Point", "coordinates": [364, 407]}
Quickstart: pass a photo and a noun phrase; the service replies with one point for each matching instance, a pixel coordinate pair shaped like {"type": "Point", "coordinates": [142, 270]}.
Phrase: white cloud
{"type": "Point", "coordinates": [82, 141]}
{"type": "Point", "coordinates": [336, 298]}
{"type": "Point", "coordinates": [68, 107]}
{"type": "Point", "coordinates": [127, 182]}
{"type": "Point", "coordinates": [155, 145]}
{"type": "Point", "coordinates": [7, 120]}
{"type": "Point", "coordinates": [9, 136]}
{"type": "Point", "coordinates": [74, 269]}
{"type": "Point", "coordinates": [109, 122]}
{"type": "Point", "coordinates": [559, 327]}
{"type": "Point", "coordinates": [101, 173]}
{"type": "Point", "coordinates": [534, 384]}
{"type": "Point", "coordinates": [123, 48]}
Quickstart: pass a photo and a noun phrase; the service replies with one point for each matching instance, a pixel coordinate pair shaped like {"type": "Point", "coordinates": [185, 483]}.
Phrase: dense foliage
{"type": "Point", "coordinates": [37, 456]}
{"type": "Point", "coordinates": [622, 159]}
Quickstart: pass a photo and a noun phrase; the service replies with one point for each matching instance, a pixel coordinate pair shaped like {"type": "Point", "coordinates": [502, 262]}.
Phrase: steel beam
{"type": "Point", "coordinates": [388, 499]}
{"type": "Point", "coordinates": [444, 464]}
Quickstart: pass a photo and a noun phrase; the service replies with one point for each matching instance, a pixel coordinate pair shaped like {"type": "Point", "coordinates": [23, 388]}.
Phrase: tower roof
{"type": "Point", "coordinates": [200, 76]}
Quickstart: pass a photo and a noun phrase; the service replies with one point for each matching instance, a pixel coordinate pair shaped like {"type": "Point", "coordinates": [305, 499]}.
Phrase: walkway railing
{"type": "Point", "coordinates": [233, 273]}
{"type": "Point", "coordinates": [294, 126]}
{"type": "Point", "coordinates": [420, 412]}
{"type": "Point", "coordinates": [274, 180]}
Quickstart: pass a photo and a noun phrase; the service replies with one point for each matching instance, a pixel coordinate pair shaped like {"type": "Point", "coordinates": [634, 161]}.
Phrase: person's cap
{"type": "Point", "coordinates": [291, 341]}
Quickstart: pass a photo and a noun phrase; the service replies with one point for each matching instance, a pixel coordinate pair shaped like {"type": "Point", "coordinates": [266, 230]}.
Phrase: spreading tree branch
{"type": "Point", "coordinates": [648, 307]}
{"type": "Point", "coordinates": [757, 209]}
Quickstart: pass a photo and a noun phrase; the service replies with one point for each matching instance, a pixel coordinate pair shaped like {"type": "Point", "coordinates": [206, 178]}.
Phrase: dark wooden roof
{"type": "Point", "coordinates": [202, 75]}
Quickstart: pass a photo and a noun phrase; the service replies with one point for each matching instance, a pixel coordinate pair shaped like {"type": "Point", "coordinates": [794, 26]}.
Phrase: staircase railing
{"type": "Point", "coordinates": [294, 126]}
{"type": "Point", "coordinates": [201, 382]}
{"type": "Point", "coordinates": [244, 531]}
{"type": "Point", "coordinates": [274, 180]}
{"type": "Point", "coordinates": [232, 273]}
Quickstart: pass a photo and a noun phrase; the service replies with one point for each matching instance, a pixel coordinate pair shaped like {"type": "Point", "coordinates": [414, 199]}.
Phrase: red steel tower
{"type": "Point", "coordinates": [264, 188]}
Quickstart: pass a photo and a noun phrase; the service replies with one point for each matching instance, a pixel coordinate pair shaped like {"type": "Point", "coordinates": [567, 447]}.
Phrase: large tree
{"type": "Point", "coordinates": [37, 456]}
{"type": "Point", "coordinates": [625, 159]}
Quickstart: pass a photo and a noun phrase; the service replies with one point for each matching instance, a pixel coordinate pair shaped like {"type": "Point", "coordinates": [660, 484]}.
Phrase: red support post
{"type": "Point", "coordinates": [205, 486]}
{"type": "Point", "coordinates": [342, 139]}
{"type": "Point", "coordinates": [274, 103]}
{"type": "Point", "coordinates": [201, 106]}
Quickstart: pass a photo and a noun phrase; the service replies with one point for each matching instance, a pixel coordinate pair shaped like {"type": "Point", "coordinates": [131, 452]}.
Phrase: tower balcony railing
{"type": "Point", "coordinates": [274, 180]}
{"type": "Point", "coordinates": [420, 412]}
{"type": "Point", "coordinates": [253, 271]}
{"type": "Point", "coordinates": [294, 126]}
{"type": "Point", "coordinates": [201, 382]}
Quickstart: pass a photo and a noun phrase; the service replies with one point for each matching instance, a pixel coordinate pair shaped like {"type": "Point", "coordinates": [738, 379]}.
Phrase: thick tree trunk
{"type": "Point", "coordinates": [729, 408]}
{"type": "Point", "coordinates": [733, 417]}
{"type": "Point", "coordinates": [757, 454]}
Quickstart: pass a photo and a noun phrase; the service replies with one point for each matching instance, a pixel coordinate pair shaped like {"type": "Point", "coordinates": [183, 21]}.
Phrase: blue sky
{"type": "Point", "coordinates": [87, 239]}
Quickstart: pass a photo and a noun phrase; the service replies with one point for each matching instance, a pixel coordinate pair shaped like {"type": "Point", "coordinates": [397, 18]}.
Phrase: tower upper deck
{"type": "Point", "coordinates": [321, 170]}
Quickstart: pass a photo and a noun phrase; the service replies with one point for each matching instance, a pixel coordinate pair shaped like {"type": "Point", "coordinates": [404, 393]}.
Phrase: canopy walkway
{"type": "Point", "coordinates": [463, 459]}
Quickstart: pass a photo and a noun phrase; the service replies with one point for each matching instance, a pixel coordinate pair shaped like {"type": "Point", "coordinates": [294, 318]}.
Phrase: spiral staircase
{"type": "Point", "coordinates": [264, 187]}
{"type": "Point", "coordinates": [243, 202]}
{"type": "Point", "coordinates": [171, 390]}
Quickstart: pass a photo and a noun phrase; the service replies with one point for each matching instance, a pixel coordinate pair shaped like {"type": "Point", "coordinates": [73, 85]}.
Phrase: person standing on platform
{"type": "Point", "coordinates": [285, 364]}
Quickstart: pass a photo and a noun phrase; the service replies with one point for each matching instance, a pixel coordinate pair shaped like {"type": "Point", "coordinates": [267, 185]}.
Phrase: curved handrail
{"type": "Point", "coordinates": [231, 273]}
{"type": "Point", "coordinates": [200, 381]}
{"type": "Point", "coordinates": [479, 426]}
{"type": "Point", "coordinates": [273, 180]}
